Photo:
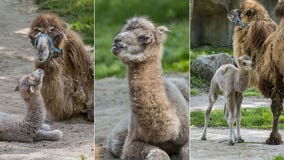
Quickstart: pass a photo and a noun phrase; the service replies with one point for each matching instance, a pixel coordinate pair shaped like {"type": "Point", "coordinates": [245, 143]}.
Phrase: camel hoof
{"type": "Point", "coordinates": [90, 115]}
{"type": "Point", "coordinates": [157, 154]}
{"type": "Point", "coordinates": [274, 141]}
{"type": "Point", "coordinates": [203, 138]}
{"type": "Point", "coordinates": [230, 143]}
{"type": "Point", "coordinates": [240, 140]}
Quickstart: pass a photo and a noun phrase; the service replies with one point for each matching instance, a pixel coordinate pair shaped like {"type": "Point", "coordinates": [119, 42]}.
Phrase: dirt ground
{"type": "Point", "coordinates": [112, 104]}
{"type": "Point", "coordinates": [16, 55]}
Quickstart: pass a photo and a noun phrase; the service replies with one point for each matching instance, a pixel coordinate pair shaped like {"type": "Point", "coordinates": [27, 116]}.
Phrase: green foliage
{"type": "Point", "coordinates": [196, 52]}
{"type": "Point", "coordinates": [194, 91]}
{"type": "Point", "coordinates": [251, 118]}
{"type": "Point", "coordinates": [79, 14]}
{"type": "Point", "coordinates": [83, 157]}
{"type": "Point", "coordinates": [163, 12]}
{"type": "Point", "coordinates": [198, 82]}
{"type": "Point", "coordinates": [160, 11]}
{"type": "Point", "coordinates": [279, 157]}
{"type": "Point", "coordinates": [251, 92]}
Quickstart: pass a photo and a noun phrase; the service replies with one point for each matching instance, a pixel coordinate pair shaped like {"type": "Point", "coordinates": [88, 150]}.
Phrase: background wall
{"type": "Point", "coordinates": [210, 26]}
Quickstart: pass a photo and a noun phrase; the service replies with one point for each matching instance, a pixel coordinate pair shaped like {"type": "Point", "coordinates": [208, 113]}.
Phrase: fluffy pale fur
{"type": "Point", "coordinates": [263, 43]}
{"type": "Point", "coordinates": [233, 82]}
{"type": "Point", "coordinates": [68, 87]}
{"type": "Point", "coordinates": [31, 127]}
{"type": "Point", "coordinates": [158, 124]}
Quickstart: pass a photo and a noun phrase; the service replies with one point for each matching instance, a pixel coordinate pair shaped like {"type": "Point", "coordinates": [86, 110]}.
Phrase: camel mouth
{"type": "Point", "coordinates": [233, 15]}
{"type": "Point", "coordinates": [38, 74]}
{"type": "Point", "coordinates": [248, 68]}
{"type": "Point", "coordinates": [117, 48]}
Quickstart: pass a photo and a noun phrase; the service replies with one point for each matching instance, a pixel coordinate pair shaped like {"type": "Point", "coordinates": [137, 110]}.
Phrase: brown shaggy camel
{"type": "Point", "coordinates": [255, 34]}
{"type": "Point", "coordinates": [31, 127]}
{"type": "Point", "coordinates": [233, 82]}
{"type": "Point", "coordinates": [68, 87]}
{"type": "Point", "coordinates": [158, 123]}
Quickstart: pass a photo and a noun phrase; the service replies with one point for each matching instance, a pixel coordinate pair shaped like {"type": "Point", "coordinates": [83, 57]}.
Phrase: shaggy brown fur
{"type": "Point", "coordinates": [68, 87]}
{"type": "Point", "coordinates": [262, 43]}
{"type": "Point", "coordinates": [159, 118]}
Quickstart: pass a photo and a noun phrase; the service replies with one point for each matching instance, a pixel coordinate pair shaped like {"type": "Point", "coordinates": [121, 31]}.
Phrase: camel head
{"type": "Point", "coordinates": [134, 42]}
{"type": "Point", "coordinates": [250, 10]}
{"type": "Point", "coordinates": [245, 62]}
{"type": "Point", "coordinates": [47, 34]}
{"type": "Point", "coordinates": [31, 82]}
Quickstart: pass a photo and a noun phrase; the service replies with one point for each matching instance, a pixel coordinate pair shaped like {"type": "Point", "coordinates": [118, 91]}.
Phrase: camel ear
{"type": "Point", "coordinates": [162, 34]}
{"type": "Point", "coordinates": [17, 88]}
{"type": "Point", "coordinates": [32, 89]}
{"type": "Point", "coordinates": [163, 29]}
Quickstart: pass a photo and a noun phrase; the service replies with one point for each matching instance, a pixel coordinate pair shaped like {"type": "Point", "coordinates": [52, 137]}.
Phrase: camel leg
{"type": "Point", "coordinates": [239, 99]}
{"type": "Point", "coordinates": [90, 115]}
{"type": "Point", "coordinates": [45, 127]}
{"type": "Point", "coordinates": [226, 115]}
{"type": "Point", "coordinates": [184, 152]}
{"type": "Point", "coordinates": [276, 108]}
{"type": "Point", "coordinates": [230, 102]}
{"type": "Point", "coordinates": [143, 151]}
{"type": "Point", "coordinates": [213, 96]}
{"type": "Point", "coordinates": [54, 135]}
{"type": "Point", "coordinates": [118, 136]}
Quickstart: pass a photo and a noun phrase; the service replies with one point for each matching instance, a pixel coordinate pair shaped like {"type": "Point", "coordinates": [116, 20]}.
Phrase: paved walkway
{"type": "Point", "coordinates": [200, 102]}
{"type": "Point", "coordinates": [216, 148]}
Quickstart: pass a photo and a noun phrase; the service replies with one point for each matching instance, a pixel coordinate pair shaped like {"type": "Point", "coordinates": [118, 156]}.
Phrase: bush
{"type": "Point", "coordinates": [112, 15]}
{"type": "Point", "coordinates": [79, 14]}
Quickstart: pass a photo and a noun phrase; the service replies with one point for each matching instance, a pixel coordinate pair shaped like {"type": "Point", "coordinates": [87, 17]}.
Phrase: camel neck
{"type": "Point", "coordinates": [147, 91]}
{"type": "Point", "coordinates": [35, 115]}
{"type": "Point", "coordinates": [51, 67]}
{"type": "Point", "coordinates": [242, 80]}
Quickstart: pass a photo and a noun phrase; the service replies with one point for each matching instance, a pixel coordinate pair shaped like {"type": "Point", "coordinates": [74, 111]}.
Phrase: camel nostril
{"type": "Point", "coordinates": [40, 58]}
{"type": "Point", "coordinates": [41, 48]}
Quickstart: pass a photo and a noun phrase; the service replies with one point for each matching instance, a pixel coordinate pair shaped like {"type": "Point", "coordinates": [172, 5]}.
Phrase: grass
{"type": "Point", "coordinates": [79, 14]}
{"type": "Point", "coordinates": [252, 92]}
{"type": "Point", "coordinates": [279, 157]}
{"type": "Point", "coordinates": [260, 118]}
{"type": "Point", "coordinates": [196, 52]}
{"type": "Point", "coordinates": [83, 157]}
{"type": "Point", "coordinates": [174, 17]}
{"type": "Point", "coordinates": [194, 91]}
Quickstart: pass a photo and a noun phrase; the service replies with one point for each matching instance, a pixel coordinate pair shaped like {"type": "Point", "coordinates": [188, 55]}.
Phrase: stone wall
{"type": "Point", "coordinates": [209, 24]}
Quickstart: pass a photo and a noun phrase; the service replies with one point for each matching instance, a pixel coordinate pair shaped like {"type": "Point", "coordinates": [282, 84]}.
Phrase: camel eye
{"type": "Point", "coordinates": [143, 38]}
{"type": "Point", "coordinates": [250, 13]}
{"type": "Point", "coordinates": [57, 38]}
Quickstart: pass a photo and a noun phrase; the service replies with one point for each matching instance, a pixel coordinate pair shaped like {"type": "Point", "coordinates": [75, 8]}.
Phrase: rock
{"type": "Point", "coordinates": [206, 65]}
